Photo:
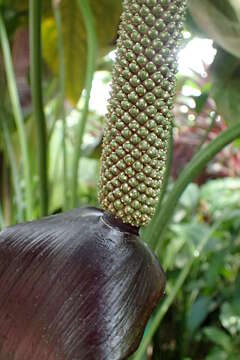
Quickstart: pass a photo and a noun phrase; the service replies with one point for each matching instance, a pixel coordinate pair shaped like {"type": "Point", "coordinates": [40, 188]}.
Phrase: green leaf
{"type": "Point", "coordinates": [106, 14]}
{"type": "Point", "coordinates": [215, 268]}
{"type": "Point", "coordinates": [230, 317]}
{"type": "Point", "coordinates": [198, 313]}
{"type": "Point", "coordinates": [220, 19]}
{"type": "Point", "coordinates": [192, 233]}
{"type": "Point", "coordinates": [190, 197]}
{"type": "Point", "coordinates": [225, 73]}
{"type": "Point", "coordinates": [219, 338]}
{"type": "Point", "coordinates": [217, 354]}
{"type": "Point", "coordinates": [201, 101]}
{"type": "Point", "coordinates": [229, 189]}
{"type": "Point", "coordinates": [7, 117]}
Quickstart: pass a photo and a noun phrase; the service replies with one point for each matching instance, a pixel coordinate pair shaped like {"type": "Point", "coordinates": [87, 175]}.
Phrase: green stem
{"type": "Point", "coordinates": [55, 169]}
{"type": "Point", "coordinates": [36, 86]}
{"type": "Point", "coordinates": [6, 195]}
{"type": "Point", "coordinates": [209, 129]}
{"type": "Point", "coordinates": [14, 170]}
{"type": "Point", "coordinates": [14, 98]}
{"type": "Point", "coordinates": [175, 289]}
{"type": "Point", "coordinates": [62, 78]}
{"type": "Point", "coordinates": [191, 171]}
{"type": "Point", "coordinates": [91, 64]}
{"type": "Point", "coordinates": [2, 222]}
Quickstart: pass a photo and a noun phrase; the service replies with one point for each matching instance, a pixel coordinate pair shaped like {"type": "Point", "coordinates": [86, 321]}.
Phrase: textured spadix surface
{"type": "Point", "coordinates": [75, 286]}
{"type": "Point", "coordinates": [140, 109]}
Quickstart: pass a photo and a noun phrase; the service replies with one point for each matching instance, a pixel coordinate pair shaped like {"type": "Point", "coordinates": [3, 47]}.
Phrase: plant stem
{"type": "Point", "coordinates": [91, 63]}
{"type": "Point", "coordinates": [55, 169]}
{"type": "Point", "coordinates": [14, 170]}
{"type": "Point", "coordinates": [16, 107]}
{"type": "Point", "coordinates": [191, 171]}
{"type": "Point", "coordinates": [36, 87]}
{"type": "Point", "coordinates": [2, 222]}
{"type": "Point", "coordinates": [6, 194]}
{"type": "Point", "coordinates": [62, 78]}
{"type": "Point", "coordinates": [209, 129]}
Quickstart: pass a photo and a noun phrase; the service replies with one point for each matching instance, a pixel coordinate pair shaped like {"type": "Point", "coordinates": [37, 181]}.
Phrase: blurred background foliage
{"type": "Point", "coordinates": [201, 248]}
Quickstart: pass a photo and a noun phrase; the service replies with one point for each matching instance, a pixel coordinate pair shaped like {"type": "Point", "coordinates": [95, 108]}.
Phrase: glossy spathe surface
{"type": "Point", "coordinates": [73, 286]}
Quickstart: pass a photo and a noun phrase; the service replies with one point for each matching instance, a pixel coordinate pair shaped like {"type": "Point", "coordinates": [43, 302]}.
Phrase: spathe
{"type": "Point", "coordinates": [75, 286]}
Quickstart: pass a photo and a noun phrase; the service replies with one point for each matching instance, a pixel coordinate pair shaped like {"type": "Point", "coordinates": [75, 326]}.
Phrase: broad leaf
{"type": "Point", "coordinates": [106, 14]}
{"type": "Point", "coordinates": [220, 19]}
{"type": "Point", "coordinates": [198, 313]}
{"type": "Point", "coordinates": [219, 337]}
{"type": "Point", "coordinates": [230, 317]}
{"type": "Point", "coordinates": [229, 189]}
{"type": "Point", "coordinates": [225, 73]}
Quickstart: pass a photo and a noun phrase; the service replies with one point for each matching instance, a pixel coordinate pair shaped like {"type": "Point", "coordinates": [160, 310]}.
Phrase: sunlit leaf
{"type": "Point", "coordinates": [190, 196]}
{"type": "Point", "coordinates": [219, 337]}
{"type": "Point", "coordinates": [229, 199]}
{"type": "Point", "coordinates": [230, 317]}
{"type": "Point", "coordinates": [220, 19]}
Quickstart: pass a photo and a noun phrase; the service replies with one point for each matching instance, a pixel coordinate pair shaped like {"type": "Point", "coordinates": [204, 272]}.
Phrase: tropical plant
{"type": "Point", "coordinates": [45, 87]}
